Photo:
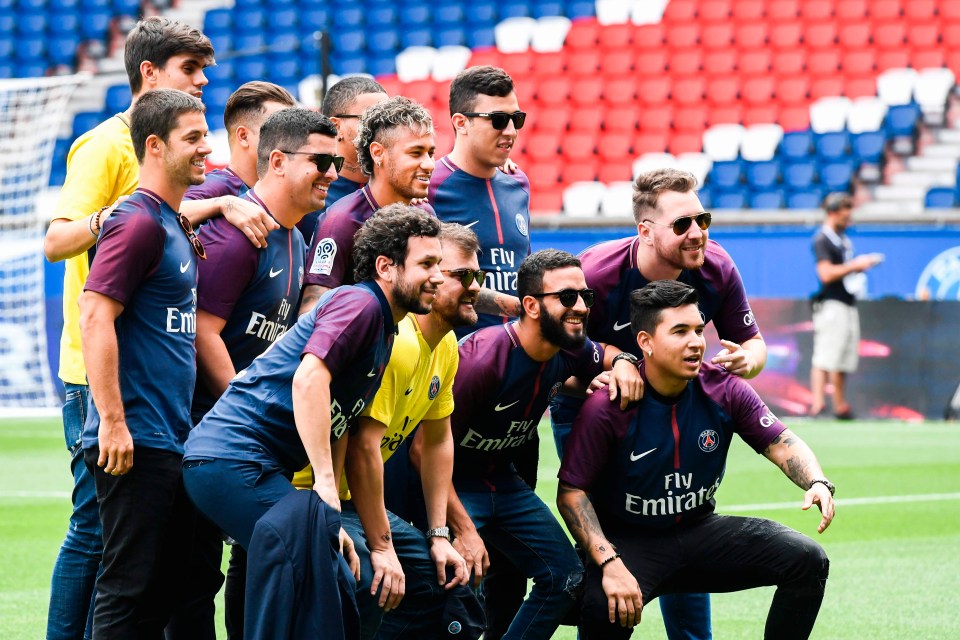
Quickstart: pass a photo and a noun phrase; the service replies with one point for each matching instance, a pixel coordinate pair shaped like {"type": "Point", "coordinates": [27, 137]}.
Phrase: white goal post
{"type": "Point", "coordinates": [32, 111]}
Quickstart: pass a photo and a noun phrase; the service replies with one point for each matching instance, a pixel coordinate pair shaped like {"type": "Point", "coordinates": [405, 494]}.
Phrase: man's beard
{"type": "Point", "coordinates": [554, 332]}
{"type": "Point", "coordinates": [407, 297]}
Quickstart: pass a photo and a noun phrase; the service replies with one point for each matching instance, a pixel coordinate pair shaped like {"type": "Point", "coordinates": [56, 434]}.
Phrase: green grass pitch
{"type": "Point", "coordinates": [894, 545]}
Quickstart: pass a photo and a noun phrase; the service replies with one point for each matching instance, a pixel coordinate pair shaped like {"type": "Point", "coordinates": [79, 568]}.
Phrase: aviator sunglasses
{"type": "Point", "coordinates": [499, 119]}
{"type": "Point", "coordinates": [467, 276]}
{"type": "Point", "coordinates": [568, 297]}
{"type": "Point", "coordinates": [681, 225]}
{"type": "Point", "coordinates": [322, 160]}
{"type": "Point", "coordinates": [192, 236]}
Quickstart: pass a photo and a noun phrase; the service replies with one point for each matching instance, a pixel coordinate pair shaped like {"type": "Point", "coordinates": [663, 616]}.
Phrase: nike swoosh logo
{"type": "Point", "coordinates": [636, 456]}
{"type": "Point", "coordinates": [373, 373]}
{"type": "Point", "coordinates": [408, 392]}
{"type": "Point", "coordinates": [619, 327]}
{"type": "Point", "coordinates": [467, 226]}
{"type": "Point", "coordinates": [499, 408]}
{"type": "Point", "coordinates": [274, 274]}
{"type": "Point", "coordinates": [184, 267]}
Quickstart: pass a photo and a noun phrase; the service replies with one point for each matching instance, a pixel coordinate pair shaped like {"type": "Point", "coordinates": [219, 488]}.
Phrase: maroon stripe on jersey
{"type": "Point", "coordinates": [496, 211]}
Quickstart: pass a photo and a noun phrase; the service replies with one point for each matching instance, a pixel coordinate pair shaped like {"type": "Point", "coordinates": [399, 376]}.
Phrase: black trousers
{"type": "Point", "coordinates": [714, 555]}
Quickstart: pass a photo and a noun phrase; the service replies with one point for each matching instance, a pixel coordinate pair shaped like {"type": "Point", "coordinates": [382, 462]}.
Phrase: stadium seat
{"type": "Point", "coordinates": [793, 90]}
{"type": "Point", "coordinates": [118, 98]}
{"type": "Point", "coordinates": [786, 35]}
{"type": "Point", "coordinates": [620, 118]}
{"type": "Point", "coordinates": [829, 114]}
{"type": "Point", "coordinates": [760, 114]}
{"type": "Point", "coordinates": [647, 141]}
{"type": "Point", "coordinates": [761, 175]}
{"type": "Point", "coordinates": [726, 174]}
{"type": "Point", "coordinates": [921, 9]}
{"type": "Point", "coordinates": [901, 120]}
{"type": "Point", "coordinates": [722, 142]}
{"type": "Point", "coordinates": [131, 8]}
{"type": "Point", "coordinates": [617, 200]}
{"type": "Point", "coordinates": [758, 90]}
{"type": "Point", "coordinates": [766, 199]}
{"type": "Point", "coordinates": [850, 10]}
{"type": "Point", "coordinates": [685, 63]}
{"type": "Point", "coordinates": [653, 160]}
{"type": "Point", "coordinates": [614, 63]}
{"type": "Point", "coordinates": [580, 146]}
{"type": "Point", "coordinates": [886, 9]}
{"type": "Point", "coordinates": [451, 36]}
{"type": "Point", "coordinates": [789, 62]}
{"type": "Point", "coordinates": [32, 23]}
{"type": "Point", "coordinates": [351, 16]}
{"type": "Point", "coordinates": [614, 148]}
{"type": "Point", "coordinates": [514, 34]}
{"type": "Point", "coordinates": [799, 175]}
{"type": "Point", "coordinates": [586, 91]}
{"type": "Point", "coordinates": [892, 59]}
{"type": "Point", "coordinates": [649, 36]}
{"type": "Point", "coordinates": [826, 87]}
{"type": "Point", "coordinates": [582, 199]}
{"type": "Point", "coordinates": [683, 142]}
{"type": "Point", "coordinates": [30, 49]}
{"type": "Point", "coordinates": [794, 118]}
{"type": "Point", "coordinates": [697, 163]}
{"type": "Point", "coordinates": [750, 35]}
{"type": "Point", "coordinates": [514, 10]}
{"type": "Point", "coordinates": [933, 88]}
{"type": "Point", "coordinates": [656, 118]}
{"type": "Point", "coordinates": [806, 199]}
{"type": "Point", "coordinates": [479, 36]}
{"type": "Point", "coordinates": [682, 35]}
{"type": "Point", "coordinates": [583, 9]}
{"type": "Point", "coordinates": [858, 62]}
{"type": "Point", "coordinates": [854, 34]}
{"type": "Point", "coordinates": [823, 63]}
{"type": "Point", "coordinates": [940, 198]}
{"type": "Point", "coordinates": [381, 14]}
{"type": "Point", "coordinates": [760, 142]}
{"type": "Point", "coordinates": [889, 35]}
{"type": "Point", "coordinates": [480, 12]}
{"type": "Point", "coordinates": [249, 69]}
{"type": "Point", "coordinates": [868, 146]}
{"type": "Point", "coordinates": [758, 62]}
{"type": "Point", "coordinates": [314, 18]}
{"type": "Point", "coordinates": [836, 176]}
{"type": "Point", "coordinates": [546, 8]}
{"type": "Point", "coordinates": [866, 114]}
{"type": "Point", "coordinates": [864, 86]}
{"type": "Point", "coordinates": [688, 91]}
{"type": "Point", "coordinates": [723, 90]}
{"type": "Point", "coordinates": [542, 146]}
{"type": "Point", "coordinates": [650, 62]}
{"type": "Point", "coordinates": [654, 91]}
{"type": "Point", "coordinates": [895, 86]}
{"type": "Point", "coordinates": [66, 23]}
{"type": "Point", "coordinates": [549, 33]}
{"type": "Point", "coordinates": [820, 35]}
{"type": "Point", "coordinates": [415, 63]}
{"type": "Point", "coordinates": [717, 35]}
{"type": "Point", "coordinates": [832, 146]}
{"type": "Point", "coordinates": [584, 63]}
{"type": "Point", "coordinates": [691, 119]}
{"type": "Point", "coordinates": [704, 194]}
{"type": "Point", "coordinates": [621, 91]}
{"type": "Point", "coordinates": [735, 199]}
{"type": "Point", "coordinates": [249, 43]}
{"type": "Point", "coordinates": [585, 171]}
{"type": "Point", "coordinates": [543, 175]}
{"type": "Point", "coordinates": [450, 61]}
{"type": "Point", "coordinates": [933, 57]}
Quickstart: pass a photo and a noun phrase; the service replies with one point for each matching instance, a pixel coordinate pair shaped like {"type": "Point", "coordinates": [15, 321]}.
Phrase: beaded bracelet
{"type": "Point", "coordinates": [96, 217]}
{"type": "Point", "coordinates": [610, 559]}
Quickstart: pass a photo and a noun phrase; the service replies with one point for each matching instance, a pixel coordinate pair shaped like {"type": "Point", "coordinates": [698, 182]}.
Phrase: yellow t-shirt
{"type": "Point", "coordinates": [101, 167]}
{"type": "Point", "coordinates": [417, 385]}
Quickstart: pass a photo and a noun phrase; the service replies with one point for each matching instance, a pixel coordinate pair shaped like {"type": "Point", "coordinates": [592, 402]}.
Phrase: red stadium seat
{"type": "Point", "coordinates": [896, 59]}
{"type": "Point", "coordinates": [423, 91]}
{"type": "Point", "coordinates": [621, 91]}
{"type": "Point", "coordinates": [654, 90]}
{"type": "Point", "coordinates": [795, 118]}
{"type": "Point", "coordinates": [858, 62]}
{"type": "Point", "coordinates": [550, 64]}
{"type": "Point", "coordinates": [678, 11]}
{"type": "Point", "coordinates": [688, 91]}
{"type": "Point", "coordinates": [886, 9]}
{"type": "Point", "coordinates": [757, 90]}
{"type": "Point", "coordinates": [952, 61]}
{"type": "Point", "coordinates": [723, 90]}
{"type": "Point", "coordinates": [714, 11]}
{"type": "Point", "coordinates": [579, 147]}
{"type": "Point", "coordinates": [614, 147]}
{"type": "Point", "coordinates": [610, 172]}
{"type": "Point", "coordinates": [915, 10]}
{"type": "Point", "coordinates": [649, 36]}
{"type": "Point", "coordinates": [761, 114]}
{"type": "Point", "coordinates": [950, 12]}
{"type": "Point", "coordinates": [783, 10]}
{"type": "Point", "coordinates": [716, 35]}
{"type": "Point", "coordinates": [554, 119]}
{"type": "Point", "coordinates": [816, 10]}
{"type": "Point", "coordinates": [691, 119]}
{"type": "Point", "coordinates": [618, 36]}
{"type": "Point", "coordinates": [391, 84]}
{"type": "Point", "coordinates": [516, 64]}
{"type": "Point", "coordinates": [928, 58]}
{"type": "Point", "coordinates": [823, 63]}
{"type": "Point", "coordinates": [585, 171]}
{"type": "Point", "coordinates": [820, 35]}
{"type": "Point", "coordinates": [888, 35]}
{"type": "Point", "coordinates": [684, 35]}
{"type": "Point", "coordinates": [793, 89]}
{"type": "Point", "coordinates": [554, 90]}
{"type": "Point", "coordinates": [747, 10]}
{"type": "Point", "coordinates": [655, 118]}
{"type": "Point", "coordinates": [751, 35]}
{"type": "Point", "coordinates": [924, 35]}
{"type": "Point", "coordinates": [685, 63]}
{"type": "Point", "coordinates": [546, 201]}
{"type": "Point", "coordinates": [725, 114]}
{"type": "Point", "coordinates": [490, 56]}
{"type": "Point", "coordinates": [587, 91]}
{"type": "Point", "coordinates": [860, 86]}
{"type": "Point", "coordinates": [850, 10]}
{"type": "Point", "coordinates": [584, 63]}
{"type": "Point", "coordinates": [651, 61]}
{"type": "Point", "coordinates": [541, 146]}
{"type": "Point", "coordinates": [650, 142]}
{"type": "Point", "coordinates": [681, 142]}
{"type": "Point", "coordinates": [621, 119]}
{"type": "Point", "coordinates": [826, 87]}
{"type": "Point", "coordinates": [543, 175]}
{"type": "Point", "coordinates": [950, 35]}
{"type": "Point", "coordinates": [786, 35]}
{"type": "Point", "coordinates": [755, 62]}
{"type": "Point", "coordinates": [583, 34]}
{"type": "Point", "coordinates": [789, 63]}
{"type": "Point", "coordinates": [720, 62]}
{"type": "Point", "coordinates": [854, 35]}
{"type": "Point", "coordinates": [618, 62]}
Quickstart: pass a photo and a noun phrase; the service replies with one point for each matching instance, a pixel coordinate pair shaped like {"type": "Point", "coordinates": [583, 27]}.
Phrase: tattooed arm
{"type": "Point", "coordinates": [798, 463]}
{"type": "Point", "coordinates": [498, 304]}
{"type": "Point", "coordinates": [624, 600]}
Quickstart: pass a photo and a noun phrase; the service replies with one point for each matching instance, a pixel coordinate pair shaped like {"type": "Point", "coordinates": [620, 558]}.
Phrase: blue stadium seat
{"type": "Point", "coordinates": [118, 98]}
{"type": "Point", "coordinates": [94, 24]}
{"type": "Point", "coordinates": [901, 120]}
{"type": "Point", "coordinates": [222, 72]}
{"type": "Point", "coordinates": [580, 9]}
{"type": "Point", "coordinates": [83, 121]}
{"type": "Point", "coordinates": [868, 146]}
{"type": "Point", "coordinates": [806, 199]}
{"type": "Point", "coordinates": [7, 45]}
{"type": "Point", "coordinates": [248, 20]}
{"type": "Point", "coordinates": [448, 12]}
{"type": "Point", "coordinates": [705, 194]}
{"type": "Point", "coordinates": [31, 6]}
{"type": "Point", "coordinates": [215, 97]}
{"type": "Point", "coordinates": [8, 5]}
{"type": "Point", "coordinates": [249, 68]}
{"type": "Point", "coordinates": [284, 69]}
{"type": "Point", "coordinates": [217, 21]}
{"type": "Point", "coordinates": [283, 43]}
{"type": "Point", "coordinates": [246, 4]}
{"type": "Point", "coordinates": [30, 49]}
{"type": "Point", "coordinates": [415, 15]}
{"type": "Point", "coordinates": [767, 199]}
{"type": "Point", "coordinates": [8, 20]}
{"type": "Point", "coordinates": [94, 5]}
{"type": "Point", "coordinates": [344, 64]}
{"type": "Point", "coordinates": [309, 65]}
{"type": "Point", "coordinates": [796, 145]}
{"type": "Point", "coordinates": [252, 41]}
{"type": "Point", "coordinates": [32, 23]}
{"type": "Point", "coordinates": [282, 20]}
{"type": "Point", "coordinates": [726, 174]}
{"type": "Point", "coordinates": [126, 7]}
{"type": "Point", "coordinates": [762, 175]}
{"type": "Point", "coordinates": [416, 38]}
{"type": "Point", "coordinates": [62, 49]}
{"type": "Point", "coordinates": [383, 39]}
{"type": "Point", "coordinates": [31, 69]}
{"type": "Point", "coordinates": [481, 12]}
{"type": "Point", "coordinates": [835, 176]}
{"type": "Point", "coordinates": [348, 41]}
{"type": "Point", "coordinates": [832, 146]}
{"type": "Point", "coordinates": [65, 23]}
{"type": "Point", "coordinates": [6, 69]}
{"type": "Point", "coordinates": [449, 36]}
{"type": "Point", "coordinates": [544, 8]}
{"type": "Point", "coordinates": [347, 16]}
{"type": "Point", "coordinates": [515, 10]}
{"type": "Point", "coordinates": [59, 6]}
{"type": "Point", "coordinates": [58, 169]}
{"type": "Point", "coordinates": [314, 19]}
{"type": "Point", "coordinates": [381, 15]}
{"type": "Point", "coordinates": [381, 64]}
{"type": "Point", "coordinates": [479, 37]}
{"type": "Point", "coordinates": [940, 198]}
{"type": "Point", "coordinates": [799, 175]}
{"type": "Point", "coordinates": [222, 43]}
{"type": "Point", "coordinates": [729, 199]}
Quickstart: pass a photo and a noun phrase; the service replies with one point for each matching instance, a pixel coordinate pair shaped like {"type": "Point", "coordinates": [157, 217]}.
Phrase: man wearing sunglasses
{"type": "Point", "coordinates": [467, 187]}
{"type": "Point", "coordinates": [138, 323]}
{"type": "Point", "coordinates": [247, 297]}
{"type": "Point", "coordinates": [671, 244]}
{"type": "Point", "coordinates": [407, 567]}
{"type": "Point", "coordinates": [395, 148]}
{"type": "Point", "coordinates": [506, 377]}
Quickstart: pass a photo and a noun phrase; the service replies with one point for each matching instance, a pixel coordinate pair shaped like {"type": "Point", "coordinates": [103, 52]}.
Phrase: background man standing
{"type": "Point", "coordinates": [836, 323]}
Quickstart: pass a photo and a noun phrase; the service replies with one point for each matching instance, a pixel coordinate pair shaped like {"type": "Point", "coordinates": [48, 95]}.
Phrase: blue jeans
{"type": "Point", "coordinates": [70, 615]}
{"type": "Point", "coordinates": [686, 616]}
{"type": "Point", "coordinates": [519, 525]}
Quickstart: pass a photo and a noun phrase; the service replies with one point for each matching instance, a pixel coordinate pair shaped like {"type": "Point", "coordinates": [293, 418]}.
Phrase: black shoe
{"type": "Point", "coordinates": [845, 416]}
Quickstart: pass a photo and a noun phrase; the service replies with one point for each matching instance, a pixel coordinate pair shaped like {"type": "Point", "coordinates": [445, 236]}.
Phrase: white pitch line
{"type": "Point", "coordinates": [842, 502]}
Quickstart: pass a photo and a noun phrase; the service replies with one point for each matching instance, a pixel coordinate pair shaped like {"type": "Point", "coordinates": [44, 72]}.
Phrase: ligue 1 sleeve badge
{"type": "Point", "coordinates": [708, 440]}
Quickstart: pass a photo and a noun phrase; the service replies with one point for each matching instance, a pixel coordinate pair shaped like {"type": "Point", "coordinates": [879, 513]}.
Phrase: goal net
{"type": "Point", "coordinates": [31, 114]}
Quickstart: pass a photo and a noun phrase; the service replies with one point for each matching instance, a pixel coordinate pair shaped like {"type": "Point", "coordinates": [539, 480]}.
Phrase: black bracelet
{"type": "Point", "coordinates": [609, 560]}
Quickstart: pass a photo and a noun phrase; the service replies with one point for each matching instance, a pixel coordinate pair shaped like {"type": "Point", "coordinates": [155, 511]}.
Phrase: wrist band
{"type": "Point", "coordinates": [96, 217]}
{"type": "Point", "coordinates": [609, 560]}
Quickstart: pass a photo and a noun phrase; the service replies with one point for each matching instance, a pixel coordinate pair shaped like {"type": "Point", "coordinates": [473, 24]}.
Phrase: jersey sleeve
{"type": "Point", "coordinates": [230, 266]}
{"type": "Point", "coordinates": [99, 171]}
{"type": "Point", "coordinates": [212, 187]}
{"type": "Point", "coordinates": [823, 249]}
{"type": "Point", "coordinates": [443, 405]}
{"type": "Point", "coordinates": [589, 362]}
{"type": "Point", "coordinates": [752, 419]}
{"type": "Point", "coordinates": [330, 252]}
{"type": "Point", "coordinates": [590, 445]}
{"type": "Point", "coordinates": [128, 250]}
{"type": "Point", "coordinates": [344, 327]}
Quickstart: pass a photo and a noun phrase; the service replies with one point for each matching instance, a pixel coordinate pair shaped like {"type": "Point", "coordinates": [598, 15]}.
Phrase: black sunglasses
{"type": "Point", "coordinates": [568, 297]}
{"type": "Point", "coordinates": [322, 160]}
{"type": "Point", "coordinates": [499, 119]}
{"type": "Point", "coordinates": [192, 236]}
{"type": "Point", "coordinates": [467, 276]}
{"type": "Point", "coordinates": [345, 115]}
{"type": "Point", "coordinates": [681, 225]}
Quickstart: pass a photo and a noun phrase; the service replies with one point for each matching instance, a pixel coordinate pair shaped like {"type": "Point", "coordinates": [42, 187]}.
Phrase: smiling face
{"type": "Point", "coordinates": [677, 343]}
{"type": "Point", "coordinates": [306, 185]}
{"type": "Point", "coordinates": [560, 326]}
{"type": "Point", "coordinates": [485, 145]}
{"type": "Point", "coordinates": [416, 282]}
{"type": "Point", "coordinates": [406, 162]}
{"type": "Point", "coordinates": [185, 149]}
{"type": "Point", "coordinates": [455, 304]}
{"type": "Point", "coordinates": [183, 72]}
{"type": "Point", "coordinates": [685, 251]}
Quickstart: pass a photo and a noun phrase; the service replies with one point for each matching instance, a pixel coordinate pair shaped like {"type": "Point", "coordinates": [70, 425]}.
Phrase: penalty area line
{"type": "Point", "coordinates": [842, 502]}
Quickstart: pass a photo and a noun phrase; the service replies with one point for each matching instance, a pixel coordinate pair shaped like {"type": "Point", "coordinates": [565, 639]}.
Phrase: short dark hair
{"type": "Point", "coordinates": [156, 113]}
{"type": "Point", "coordinates": [386, 233]}
{"type": "Point", "coordinates": [474, 81]}
{"type": "Point", "coordinates": [648, 187]}
{"type": "Point", "coordinates": [340, 96]}
{"type": "Point", "coordinates": [836, 201]}
{"type": "Point", "coordinates": [647, 304]}
{"type": "Point", "coordinates": [246, 103]}
{"type": "Point", "coordinates": [157, 39]}
{"type": "Point", "coordinates": [530, 273]}
{"type": "Point", "coordinates": [288, 130]}
{"type": "Point", "coordinates": [379, 121]}
{"type": "Point", "coordinates": [462, 237]}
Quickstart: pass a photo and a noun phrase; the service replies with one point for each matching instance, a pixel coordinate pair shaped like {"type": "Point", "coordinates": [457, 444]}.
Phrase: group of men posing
{"type": "Point", "coordinates": [228, 366]}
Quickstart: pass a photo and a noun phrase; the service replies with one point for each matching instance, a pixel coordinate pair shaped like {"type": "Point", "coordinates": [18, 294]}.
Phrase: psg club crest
{"type": "Point", "coordinates": [434, 387]}
{"type": "Point", "coordinates": [554, 390]}
{"type": "Point", "coordinates": [708, 440]}
{"type": "Point", "coordinates": [521, 224]}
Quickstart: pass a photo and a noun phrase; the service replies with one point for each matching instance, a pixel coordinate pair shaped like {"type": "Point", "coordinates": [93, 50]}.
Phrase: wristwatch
{"type": "Point", "coordinates": [624, 355]}
{"type": "Point", "coordinates": [824, 482]}
{"type": "Point", "coordinates": [439, 532]}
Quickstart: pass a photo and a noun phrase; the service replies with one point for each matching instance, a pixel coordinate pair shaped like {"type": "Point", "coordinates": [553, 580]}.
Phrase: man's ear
{"type": "Point", "coordinates": [459, 123]}
{"type": "Point", "coordinates": [645, 233]}
{"type": "Point", "coordinates": [242, 134]}
{"type": "Point", "coordinates": [386, 270]}
{"type": "Point", "coordinates": [645, 342]}
{"type": "Point", "coordinates": [153, 145]}
{"type": "Point", "coordinates": [148, 73]}
{"type": "Point", "coordinates": [531, 307]}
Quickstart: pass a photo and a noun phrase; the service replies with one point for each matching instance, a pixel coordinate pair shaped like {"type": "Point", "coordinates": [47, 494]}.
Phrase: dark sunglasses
{"type": "Point", "coordinates": [322, 160]}
{"type": "Point", "coordinates": [568, 297]}
{"type": "Point", "coordinates": [682, 225]}
{"type": "Point", "coordinates": [192, 236]}
{"type": "Point", "coordinates": [499, 119]}
{"type": "Point", "coordinates": [345, 115]}
{"type": "Point", "coordinates": [467, 276]}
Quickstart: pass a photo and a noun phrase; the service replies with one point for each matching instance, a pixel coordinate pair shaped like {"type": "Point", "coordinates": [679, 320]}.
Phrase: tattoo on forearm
{"type": "Point", "coordinates": [798, 470]}
{"type": "Point", "coordinates": [580, 517]}
{"type": "Point", "coordinates": [494, 302]}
